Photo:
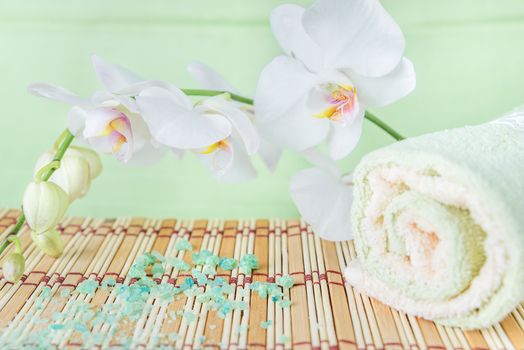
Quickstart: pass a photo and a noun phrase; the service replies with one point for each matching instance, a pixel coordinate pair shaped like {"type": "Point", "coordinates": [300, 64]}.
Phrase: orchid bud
{"type": "Point", "coordinates": [44, 205]}
{"type": "Point", "coordinates": [91, 157]}
{"type": "Point", "coordinates": [14, 264]}
{"type": "Point", "coordinates": [49, 242]}
{"type": "Point", "coordinates": [72, 175]}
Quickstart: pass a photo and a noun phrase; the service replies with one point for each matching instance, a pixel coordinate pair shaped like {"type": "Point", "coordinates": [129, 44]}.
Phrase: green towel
{"type": "Point", "coordinates": [438, 223]}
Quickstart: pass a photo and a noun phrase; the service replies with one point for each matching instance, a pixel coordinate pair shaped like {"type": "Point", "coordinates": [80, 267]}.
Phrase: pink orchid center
{"type": "Point", "coordinates": [342, 102]}
{"type": "Point", "coordinates": [118, 130]}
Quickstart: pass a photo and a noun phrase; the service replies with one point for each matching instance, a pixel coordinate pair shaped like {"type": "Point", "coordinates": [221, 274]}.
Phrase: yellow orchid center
{"type": "Point", "coordinates": [342, 100]}
{"type": "Point", "coordinates": [220, 145]}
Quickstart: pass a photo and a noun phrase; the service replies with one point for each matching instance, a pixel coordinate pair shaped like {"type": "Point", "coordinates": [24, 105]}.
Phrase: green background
{"type": "Point", "coordinates": [468, 54]}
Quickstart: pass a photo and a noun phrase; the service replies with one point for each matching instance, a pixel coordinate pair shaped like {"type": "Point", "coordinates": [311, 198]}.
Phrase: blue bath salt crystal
{"type": "Point", "coordinates": [108, 282]}
{"type": "Point", "coordinates": [87, 316]}
{"type": "Point", "coordinates": [285, 339]}
{"type": "Point", "coordinates": [193, 291]}
{"type": "Point", "coordinates": [57, 326]}
{"type": "Point", "coordinates": [199, 258]}
{"type": "Point", "coordinates": [267, 289]}
{"type": "Point", "coordinates": [284, 303]}
{"type": "Point", "coordinates": [228, 289]}
{"type": "Point", "coordinates": [46, 291]}
{"type": "Point", "coordinates": [266, 324]}
{"type": "Point", "coordinates": [131, 310]}
{"type": "Point", "coordinates": [80, 327]}
{"type": "Point", "coordinates": [64, 293]}
{"type": "Point", "coordinates": [189, 316]}
{"type": "Point", "coordinates": [166, 292]}
{"type": "Point", "coordinates": [228, 264]}
{"type": "Point", "coordinates": [209, 270]}
{"type": "Point", "coordinates": [146, 284]}
{"type": "Point", "coordinates": [188, 283]}
{"type": "Point", "coordinates": [219, 281]}
{"type": "Point", "coordinates": [159, 256]}
{"type": "Point", "coordinates": [145, 259]}
{"type": "Point", "coordinates": [177, 263]}
{"type": "Point", "coordinates": [212, 260]}
{"type": "Point", "coordinates": [240, 305]}
{"type": "Point", "coordinates": [285, 281]}
{"type": "Point", "coordinates": [157, 270]}
{"type": "Point", "coordinates": [200, 277]}
{"type": "Point", "coordinates": [137, 271]}
{"type": "Point", "coordinates": [57, 316]}
{"type": "Point", "coordinates": [242, 329]}
{"type": "Point", "coordinates": [248, 263]}
{"type": "Point", "coordinates": [183, 244]}
{"type": "Point", "coordinates": [224, 309]}
{"type": "Point", "coordinates": [99, 318]}
{"type": "Point", "coordinates": [260, 288]}
{"type": "Point", "coordinates": [87, 287]}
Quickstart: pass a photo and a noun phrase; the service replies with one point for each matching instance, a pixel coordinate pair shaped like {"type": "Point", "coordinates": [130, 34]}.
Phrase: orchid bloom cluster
{"type": "Point", "coordinates": [340, 58]}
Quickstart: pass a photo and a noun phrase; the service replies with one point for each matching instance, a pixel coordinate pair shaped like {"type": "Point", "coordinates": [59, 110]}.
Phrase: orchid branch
{"type": "Point", "coordinates": [369, 116]}
{"type": "Point", "coordinates": [381, 124]}
{"type": "Point", "coordinates": [205, 92]}
{"type": "Point", "coordinates": [64, 140]}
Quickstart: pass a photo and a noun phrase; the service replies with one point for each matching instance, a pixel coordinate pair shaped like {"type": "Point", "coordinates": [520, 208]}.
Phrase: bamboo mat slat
{"type": "Point", "coordinates": [325, 312]}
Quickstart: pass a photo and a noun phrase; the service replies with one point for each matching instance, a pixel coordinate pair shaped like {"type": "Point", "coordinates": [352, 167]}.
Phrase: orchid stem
{"type": "Point", "coordinates": [204, 92]}
{"type": "Point", "coordinates": [369, 116]}
{"type": "Point", "coordinates": [65, 140]}
{"type": "Point", "coordinates": [378, 122]}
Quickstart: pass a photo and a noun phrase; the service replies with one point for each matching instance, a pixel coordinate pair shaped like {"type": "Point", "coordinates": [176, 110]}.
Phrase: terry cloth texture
{"type": "Point", "coordinates": [438, 222]}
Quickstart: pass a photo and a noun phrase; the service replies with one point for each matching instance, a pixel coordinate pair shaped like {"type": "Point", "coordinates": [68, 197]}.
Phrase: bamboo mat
{"type": "Point", "coordinates": [325, 313]}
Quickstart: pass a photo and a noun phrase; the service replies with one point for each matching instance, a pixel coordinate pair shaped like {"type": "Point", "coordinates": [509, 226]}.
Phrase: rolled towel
{"type": "Point", "coordinates": [438, 223]}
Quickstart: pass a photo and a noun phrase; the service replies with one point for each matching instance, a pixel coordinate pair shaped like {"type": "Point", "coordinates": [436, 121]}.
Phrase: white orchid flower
{"type": "Point", "coordinates": [342, 57]}
{"type": "Point", "coordinates": [208, 78]}
{"type": "Point", "coordinates": [324, 196]}
{"type": "Point", "coordinates": [217, 131]}
{"type": "Point", "coordinates": [109, 121]}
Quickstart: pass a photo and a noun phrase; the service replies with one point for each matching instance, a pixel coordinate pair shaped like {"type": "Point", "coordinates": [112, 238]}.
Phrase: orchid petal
{"type": "Point", "coordinates": [141, 133]}
{"type": "Point", "coordinates": [378, 92]}
{"type": "Point", "coordinates": [286, 23]}
{"type": "Point", "coordinates": [137, 88]}
{"type": "Point", "coordinates": [270, 153]}
{"type": "Point", "coordinates": [56, 93]}
{"type": "Point", "coordinates": [298, 129]}
{"type": "Point", "coordinates": [324, 202]}
{"type": "Point", "coordinates": [238, 119]}
{"type": "Point", "coordinates": [76, 120]}
{"type": "Point", "coordinates": [357, 34]}
{"type": "Point", "coordinates": [343, 140]}
{"type": "Point", "coordinates": [173, 125]}
{"type": "Point", "coordinates": [208, 78]}
{"type": "Point", "coordinates": [321, 160]}
{"type": "Point", "coordinates": [219, 160]}
{"type": "Point", "coordinates": [178, 153]}
{"type": "Point", "coordinates": [97, 121]}
{"type": "Point", "coordinates": [148, 154]}
{"type": "Point", "coordinates": [112, 76]}
{"type": "Point", "coordinates": [240, 168]}
{"type": "Point", "coordinates": [106, 144]}
{"type": "Point", "coordinates": [282, 83]}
